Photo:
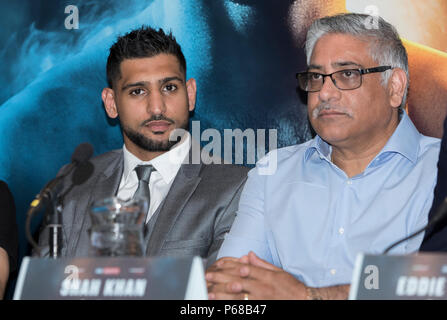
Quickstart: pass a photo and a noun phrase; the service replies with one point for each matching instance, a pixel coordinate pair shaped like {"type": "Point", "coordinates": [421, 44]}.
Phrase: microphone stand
{"type": "Point", "coordinates": [55, 224]}
{"type": "Point", "coordinates": [45, 199]}
{"type": "Point", "coordinates": [49, 197]}
{"type": "Point", "coordinates": [55, 229]}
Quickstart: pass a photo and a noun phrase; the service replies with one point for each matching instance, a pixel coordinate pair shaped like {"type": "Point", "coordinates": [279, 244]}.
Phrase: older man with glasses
{"type": "Point", "coordinates": [365, 180]}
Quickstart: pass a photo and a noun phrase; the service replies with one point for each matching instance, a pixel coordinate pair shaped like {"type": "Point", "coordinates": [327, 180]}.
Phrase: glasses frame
{"type": "Point", "coordinates": [361, 71]}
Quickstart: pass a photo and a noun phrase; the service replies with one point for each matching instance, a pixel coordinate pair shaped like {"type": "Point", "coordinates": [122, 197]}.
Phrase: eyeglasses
{"type": "Point", "coordinates": [348, 79]}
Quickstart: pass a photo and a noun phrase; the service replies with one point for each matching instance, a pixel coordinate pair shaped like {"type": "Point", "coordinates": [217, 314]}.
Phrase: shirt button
{"type": "Point", "coordinates": [333, 271]}
{"type": "Point", "coordinates": [349, 182]}
{"type": "Point", "coordinates": [341, 231]}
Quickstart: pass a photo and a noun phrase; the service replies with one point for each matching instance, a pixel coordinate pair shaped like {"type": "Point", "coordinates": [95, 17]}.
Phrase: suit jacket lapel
{"type": "Point", "coordinates": [181, 190]}
{"type": "Point", "coordinates": [105, 186]}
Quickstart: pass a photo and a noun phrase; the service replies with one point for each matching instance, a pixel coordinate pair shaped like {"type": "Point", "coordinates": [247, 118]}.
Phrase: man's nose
{"type": "Point", "coordinates": [328, 90]}
{"type": "Point", "coordinates": [156, 103]}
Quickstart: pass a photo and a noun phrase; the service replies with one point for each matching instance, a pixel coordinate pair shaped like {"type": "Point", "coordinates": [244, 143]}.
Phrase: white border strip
{"type": "Point", "coordinates": [353, 292]}
{"type": "Point", "coordinates": [196, 288]}
{"type": "Point", "coordinates": [21, 278]}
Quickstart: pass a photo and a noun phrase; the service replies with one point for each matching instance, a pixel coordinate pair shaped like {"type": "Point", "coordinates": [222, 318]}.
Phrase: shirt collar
{"type": "Point", "coordinates": [318, 145]}
{"type": "Point", "coordinates": [167, 164]}
{"type": "Point", "coordinates": [404, 140]}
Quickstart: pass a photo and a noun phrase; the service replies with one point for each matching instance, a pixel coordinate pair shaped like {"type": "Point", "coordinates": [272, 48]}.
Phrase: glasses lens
{"type": "Point", "coordinates": [310, 81]}
{"type": "Point", "coordinates": [347, 79]}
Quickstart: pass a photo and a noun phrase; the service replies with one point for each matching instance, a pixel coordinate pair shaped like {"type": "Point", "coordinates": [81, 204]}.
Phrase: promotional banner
{"type": "Point", "coordinates": [244, 55]}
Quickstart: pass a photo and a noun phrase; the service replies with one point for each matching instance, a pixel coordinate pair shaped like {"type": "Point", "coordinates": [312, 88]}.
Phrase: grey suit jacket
{"type": "Point", "coordinates": [192, 220]}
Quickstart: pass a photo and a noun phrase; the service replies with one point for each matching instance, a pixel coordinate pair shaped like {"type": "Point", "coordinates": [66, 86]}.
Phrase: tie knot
{"type": "Point", "coordinates": [144, 172]}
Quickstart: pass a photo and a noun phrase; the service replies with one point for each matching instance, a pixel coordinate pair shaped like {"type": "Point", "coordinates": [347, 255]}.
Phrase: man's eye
{"type": "Point", "coordinates": [315, 76]}
{"type": "Point", "coordinates": [170, 87]}
{"type": "Point", "coordinates": [137, 92]}
{"type": "Point", "coordinates": [348, 74]}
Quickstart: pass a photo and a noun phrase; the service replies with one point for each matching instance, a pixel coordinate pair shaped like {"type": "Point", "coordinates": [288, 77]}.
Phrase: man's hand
{"type": "Point", "coordinates": [251, 277]}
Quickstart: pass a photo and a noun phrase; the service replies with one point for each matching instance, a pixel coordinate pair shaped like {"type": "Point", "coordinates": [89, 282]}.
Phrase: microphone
{"type": "Point", "coordinates": [82, 153]}
{"type": "Point", "coordinates": [81, 174]}
{"type": "Point", "coordinates": [49, 192]}
{"type": "Point", "coordinates": [440, 214]}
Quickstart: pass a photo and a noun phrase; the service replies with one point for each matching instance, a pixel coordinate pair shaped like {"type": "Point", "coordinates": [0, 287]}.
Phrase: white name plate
{"type": "Point", "coordinates": [393, 277]}
{"type": "Point", "coordinates": [154, 278]}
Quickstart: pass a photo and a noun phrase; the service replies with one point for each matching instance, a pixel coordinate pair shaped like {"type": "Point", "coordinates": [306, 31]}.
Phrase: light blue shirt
{"type": "Point", "coordinates": [311, 220]}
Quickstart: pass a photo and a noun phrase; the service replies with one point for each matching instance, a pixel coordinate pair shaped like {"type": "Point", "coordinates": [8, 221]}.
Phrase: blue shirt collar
{"type": "Point", "coordinates": [404, 140]}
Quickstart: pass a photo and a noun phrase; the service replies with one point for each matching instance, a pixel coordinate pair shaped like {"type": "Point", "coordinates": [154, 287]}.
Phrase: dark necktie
{"type": "Point", "coordinates": [143, 174]}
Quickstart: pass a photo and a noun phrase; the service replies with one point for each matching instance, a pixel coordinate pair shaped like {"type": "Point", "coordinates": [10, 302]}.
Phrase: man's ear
{"type": "Point", "coordinates": [108, 97]}
{"type": "Point", "coordinates": [396, 87]}
{"type": "Point", "coordinates": [191, 88]}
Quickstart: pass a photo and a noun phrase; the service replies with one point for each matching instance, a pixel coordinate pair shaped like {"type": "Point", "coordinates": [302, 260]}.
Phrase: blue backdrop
{"type": "Point", "coordinates": [243, 57]}
{"type": "Point", "coordinates": [243, 53]}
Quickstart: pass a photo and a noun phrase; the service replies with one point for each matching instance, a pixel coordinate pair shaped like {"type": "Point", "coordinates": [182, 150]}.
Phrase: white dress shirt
{"type": "Point", "coordinates": [166, 166]}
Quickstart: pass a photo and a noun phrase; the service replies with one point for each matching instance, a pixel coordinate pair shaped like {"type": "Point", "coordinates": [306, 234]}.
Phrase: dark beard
{"type": "Point", "coordinates": [148, 144]}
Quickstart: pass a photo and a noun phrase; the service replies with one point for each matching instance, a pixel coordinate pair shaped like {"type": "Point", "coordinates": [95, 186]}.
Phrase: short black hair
{"type": "Point", "coordinates": [144, 42]}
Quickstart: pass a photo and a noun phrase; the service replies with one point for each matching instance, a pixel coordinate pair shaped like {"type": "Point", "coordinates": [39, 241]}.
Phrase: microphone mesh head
{"type": "Point", "coordinates": [82, 153]}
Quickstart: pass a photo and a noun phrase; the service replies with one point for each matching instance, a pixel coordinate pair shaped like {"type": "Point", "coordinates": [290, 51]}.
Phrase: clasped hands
{"type": "Point", "coordinates": [250, 277]}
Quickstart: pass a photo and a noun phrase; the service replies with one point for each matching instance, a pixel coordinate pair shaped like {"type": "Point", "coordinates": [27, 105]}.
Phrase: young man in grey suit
{"type": "Point", "coordinates": [192, 206]}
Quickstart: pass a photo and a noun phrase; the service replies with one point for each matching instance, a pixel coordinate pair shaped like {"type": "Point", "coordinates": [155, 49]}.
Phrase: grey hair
{"type": "Point", "coordinates": [386, 47]}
